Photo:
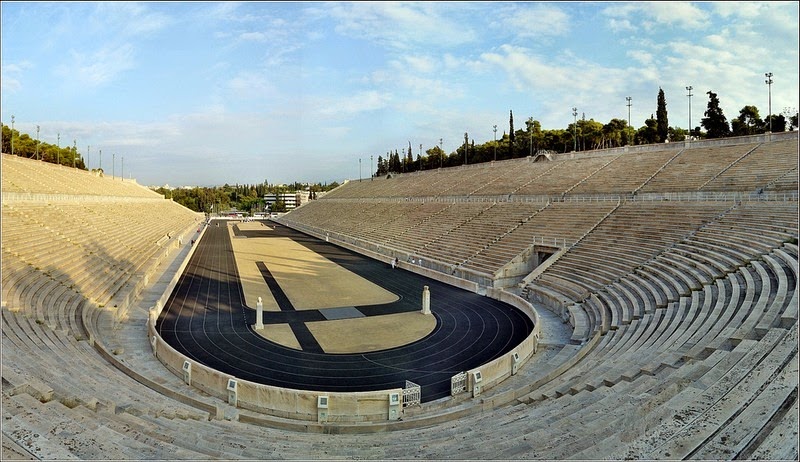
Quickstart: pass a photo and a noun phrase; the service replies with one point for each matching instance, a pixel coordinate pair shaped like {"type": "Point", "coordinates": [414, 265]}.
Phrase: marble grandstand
{"type": "Point", "coordinates": [665, 278]}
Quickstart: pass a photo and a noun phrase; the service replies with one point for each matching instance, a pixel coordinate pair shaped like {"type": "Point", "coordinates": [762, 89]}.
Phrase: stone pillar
{"type": "Point", "coordinates": [426, 300]}
{"type": "Point", "coordinates": [152, 315]}
{"type": "Point", "coordinates": [259, 315]}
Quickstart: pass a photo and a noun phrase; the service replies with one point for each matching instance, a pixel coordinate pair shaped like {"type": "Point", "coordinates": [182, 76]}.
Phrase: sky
{"type": "Point", "coordinates": [206, 93]}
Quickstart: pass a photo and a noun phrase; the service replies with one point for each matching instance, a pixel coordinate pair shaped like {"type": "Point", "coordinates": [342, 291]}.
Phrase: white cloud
{"type": "Point", "coordinates": [526, 69]}
{"type": "Point", "coordinates": [400, 25]}
{"type": "Point", "coordinates": [739, 9]}
{"type": "Point", "coordinates": [349, 105]}
{"type": "Point", "coordinates": [424, 64]}
{"type": "Point", "coordinates": [641, 56]}
{"type": "Point", "coordinates": [452, 62]}
{"type": "Point", "coordinates": [223, 12]}
{"type": "Point", "coordinates": [253, 36]}
{"type": "Point", "coordinates": [538, 20]}
{"type": "Point", "coordinates": [251, 85]}
{"type": "Point", "coordinates": [681, 14]}
{"type": "Point", "coordinates": [777, 20]}
{"type": "Point", "coordinates": [10, 75]}
{"type": "Point", "coordinates": [99, 67]}
{"type": "Point", "coordinates": [128, 19]}
{"type": "Point", "coordinates": [652, 15]}
{"type": "Point", "coordinates": [337, 132]}
{"type": "Point", "coordinates": [418, 91]}
{"type": "Point", "coordinates": [620, 25]}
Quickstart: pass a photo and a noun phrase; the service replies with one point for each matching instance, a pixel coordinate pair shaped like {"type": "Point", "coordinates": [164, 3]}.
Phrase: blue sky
{"type": "Point", "coordinates": [212, 93]}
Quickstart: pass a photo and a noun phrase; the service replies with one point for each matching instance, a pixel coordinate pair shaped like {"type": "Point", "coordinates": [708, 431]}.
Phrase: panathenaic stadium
{"type": "Point", "coordinates": [656, 287]}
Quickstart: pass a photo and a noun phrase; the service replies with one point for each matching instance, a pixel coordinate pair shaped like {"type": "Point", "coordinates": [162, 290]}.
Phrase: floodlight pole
{"type": "Point", "coordinates": [575, 129]}
{"type": "Point", "coordinates": [583, 135]}
{"type": "Point", "coordinates": [628, 98]}
{"type": "Point", "coordinates": [530, 133]}
{"type": "Point", "coordinates": [37, 142]}
{"type": "Point", "coordinates": [58, 149]}
{"type": "Point", "coordinates": [689, 94]}
{"type": "Point", "coordinates": [494, 128]}
{"type": "Point", "coordinates": [12, 134]}
{"type": "Point", "coordinates": [769, 84]}
{"type": "Point", "coordinates": [74, 152]}
{"type": "Point", "coordinates": [441, 153]}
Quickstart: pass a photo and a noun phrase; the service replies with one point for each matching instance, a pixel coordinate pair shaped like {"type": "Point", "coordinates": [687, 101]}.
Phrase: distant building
{"type": "Point", "coordinates": [291, 199]}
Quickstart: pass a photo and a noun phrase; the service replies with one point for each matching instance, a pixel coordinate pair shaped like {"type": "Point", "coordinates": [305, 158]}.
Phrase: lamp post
{"type": "Point", "coordinates": [628, 98]}
{"type": "Point", "coordinates": [113, 164]}
{"type": "Point", "coordinates": [769, 84]}
{"type": "Point", "coordinates": [88, 151]}
{"type": "Point", "coordinates": [575, 129]}
{"type": "Point", "coordinates": [12, 134]}
{"type": "Point", "coordinates": [689, 94]}
{"type": "Point", "coordinates": [466, 145]}
{"type": "Point", "coordinates": [37, 142]}
{"type": "Point", "coordinates": [359, 170]}
{"type": "Point", "coordinates": [494, 128]}
{"type": "Point", "coordinates": [530, 132]}
{"type": "Point", "coordinates": [74, 152]}
{"type": "Point", "coordinates": [58, 149]}
{"type": "Point", "coordinates": [122, 169]}
{"type": "Point", "coordinates": [441, 153]}
{"type": "Point", "coordinates": [583, 134]}
{"type": "Point", "coordinates": [371, 174]}
{"type": "Point", "coordinates": [100, 167]}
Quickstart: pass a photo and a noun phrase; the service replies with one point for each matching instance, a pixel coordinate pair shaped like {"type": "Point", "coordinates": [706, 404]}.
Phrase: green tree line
{"type": "Point", "coordinates": [248, 198]}
{"type": "Point", "coordinates": [583, 135]}
{"type": "Point", "coordinates": [25, 146]}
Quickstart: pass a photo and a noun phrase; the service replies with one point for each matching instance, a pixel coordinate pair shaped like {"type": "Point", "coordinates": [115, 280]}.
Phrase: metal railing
{"type": "Point", "coordinates": [412, 394]}
{"type": "Point", "coordinates": [458, 383]}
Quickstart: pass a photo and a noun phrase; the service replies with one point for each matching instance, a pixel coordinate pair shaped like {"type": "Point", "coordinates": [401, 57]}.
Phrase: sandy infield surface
{"type": "Point", "coordinates": [313, 282]}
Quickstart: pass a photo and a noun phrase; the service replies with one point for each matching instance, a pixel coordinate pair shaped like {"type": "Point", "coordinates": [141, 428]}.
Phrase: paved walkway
{"type": "Point", "coordinates": [208, 320]}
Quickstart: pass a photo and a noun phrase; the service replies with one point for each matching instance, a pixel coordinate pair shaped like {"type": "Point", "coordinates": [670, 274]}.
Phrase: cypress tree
{"type": "Point", "coordinates": [511, 135]}
{"type": "Point", "coordinates": [662, 124]}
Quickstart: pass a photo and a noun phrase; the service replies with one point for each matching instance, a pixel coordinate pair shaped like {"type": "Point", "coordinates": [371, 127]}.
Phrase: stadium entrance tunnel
{"type": "Point", "coordinates": [531, 262]}
{"type": "Point", "coordinates": [320, 344]}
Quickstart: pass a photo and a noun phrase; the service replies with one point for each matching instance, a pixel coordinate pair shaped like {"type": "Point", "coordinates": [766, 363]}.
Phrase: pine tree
{"type": "Point", "coordinates": [466, 146]}
{"type": "Point", "coordinates": [511, 127]}
{"type": "Point", "coordinates": [662, 124]}
{"type": "Point", "coordinates": [714, 122]}
{"type": "Point", "coordinates": [511, 135]}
